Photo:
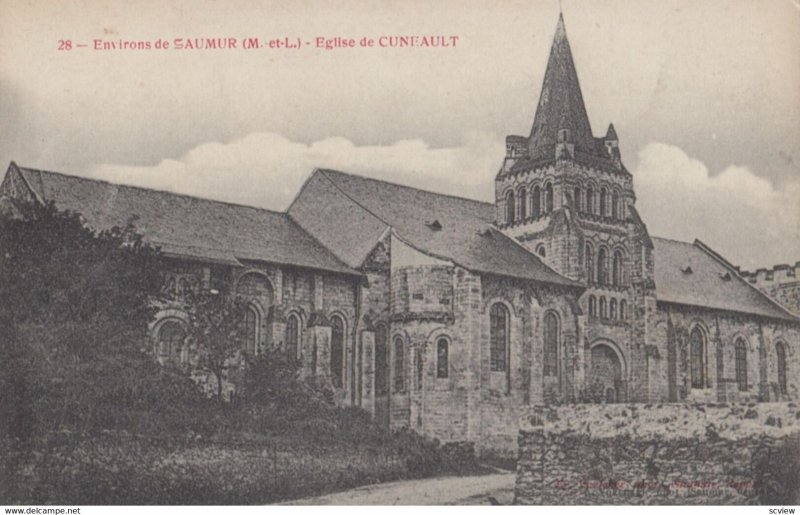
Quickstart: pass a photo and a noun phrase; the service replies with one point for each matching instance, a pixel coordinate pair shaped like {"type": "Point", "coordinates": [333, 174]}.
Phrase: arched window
{"type": "Point", "coordinates": [254, 284]}
{"type": "Point", "coordinates": [498, 338]}
{"type": "Point", "coordinates": [536, 202]}
{"type": "Point", "coordinates": [616, 273]}
{"type": "Point", "coordinates": [615, 205]}
{"type": "Point", "coordinates": [623, 309]}
{"type": "Point", "coordinates": [603, 311]}
{"type": "Point", "coordinates": [523, 204]}
{"type": "Point", "coordinates": [170, 340]}
{"type": "Point", "coordinates": [548, 198]}
{"type": "Point", "coordinates": [589, 264]}
{"type": "Point", "coordinates": [248, 330]}
{"type": "Point", "coordinates": [442, 358]}
{"type": "Point", "coordinates": [293, 336]}
{"type": "Point", "coordinates": [612, 309]}
{"type": "Point", "coordinates": [603, 201]}
{"type": "Point", "coordinates": [592, 306]}
{"type": "Point", "coordinates": [399, 366]}
{"type": "Point", "coordinates": [741, 364]}
{"type": "Point", "coordinates": [550, 345]}
{"type": "Point", "coordinates": [577, 198]}
{"type": "Point", "coordinates": [337, 351]}
{"type": "Point", "coordinates": [590, 199]}
{"type": "Point", "coordinates": [541, 250]}
{"type": "Point", "coordinates": [697, 353]}
{"type": "Point", "coordinates": [780, 352]}
{"type": "Point", "coordinates": [602, 266]}
{"type": "Point", "coordinates": [381, 360]}
{"type": "Point", "coordinates": [510, 207]}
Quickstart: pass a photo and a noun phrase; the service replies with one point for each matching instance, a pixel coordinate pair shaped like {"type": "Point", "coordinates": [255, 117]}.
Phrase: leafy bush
{"type": "Point", "coordinates": [88, 417]}
{"type": "Point", "coordinates": [777, 472]}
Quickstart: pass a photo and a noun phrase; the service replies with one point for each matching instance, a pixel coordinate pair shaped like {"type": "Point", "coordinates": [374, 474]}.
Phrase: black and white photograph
{"type": "Point", "coordinates": [399, 253]}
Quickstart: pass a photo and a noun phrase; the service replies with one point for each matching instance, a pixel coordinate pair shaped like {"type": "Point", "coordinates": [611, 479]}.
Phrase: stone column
{"type": "Point", "coordinates": [530, 462]}
{"type": "Point", "coordinates": [275, 329]}
{"type": "Point", "coordinates": [319, 348]}
{"type": "Point", "coordinates": [368, 371]}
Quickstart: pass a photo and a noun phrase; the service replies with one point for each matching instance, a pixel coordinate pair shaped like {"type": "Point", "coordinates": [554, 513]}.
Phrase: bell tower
{"type": "Point", "coordinates": [566, 196]}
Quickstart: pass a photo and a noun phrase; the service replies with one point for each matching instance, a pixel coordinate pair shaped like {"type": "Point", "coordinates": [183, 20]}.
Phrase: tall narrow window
{"type": "Point", "coordinates": [623, 309]}
{"type": "Point", "coordinates": [741, 364]}
{"type": "Point", "coordinates": [498, 336]}
{"type": "Point", "coordinates": [577, 199]}
{"type": "Point", "coordinates": [170, 340]}
{"type": "Point", "coordinates": [293, 336]}
{"type": "Point", "coordinates": [510, 207]}
{"type": "Point", "coordinates": [615, 205]}
{"type": "Point", "coordinates": [381, 363]}
{"type": "Point", "coordinates": [248, 330]}
{"type": "Point", "coordinates": [536, 202]}
{"type": "Point", "coordinates": [589, 264]}
{"type": "Point", "coordinates": [603, 201]}
{"type": "Point", "coordinates": [780, 351]}
{"type": "Point", "coordinates": [418, 367]}
{"type": "Point", "coordinates": [548, 198]}
{"type": "Point", "coordinates": [612, 309]}
{"type": "Point", "coordinates": [399, 366]}
{"type": "Point", "coordinates": [523, 204]}
{"type": "Point", "coordinates": [603, 310]}
{"type": "Point", "coordinates": [337, 351]}
{"type": "Point", "coordinates": [697, 354]}
{"type": "Point", "coordinates": [442, 358]}
{"type": "Point", "coordinates": [602, 266]}
{"type": "Point", "coordinates": [616, 273]}
{"type": "Point", "coordinates": [592, 306]}
{"type": "Point", "coordinates": [550, 345]}
{"type": "Point", "coordinates": [590, 200]}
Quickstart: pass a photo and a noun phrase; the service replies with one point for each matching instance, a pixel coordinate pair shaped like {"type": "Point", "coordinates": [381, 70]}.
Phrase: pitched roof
{"type": "Point", "coordinates": [560, 102]}
{"type": "Point", "coordinates": [693, 274]}
{"type": "Point", "coordinates": [464, 234]}
{"type": "Point", "coordinates": [185, 226]}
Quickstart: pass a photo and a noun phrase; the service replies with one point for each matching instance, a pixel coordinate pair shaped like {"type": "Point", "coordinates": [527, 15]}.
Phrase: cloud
{"type": "Point", "coordinates": [736, 212]}
{"type": "Point", "coordinates": [267, 169]}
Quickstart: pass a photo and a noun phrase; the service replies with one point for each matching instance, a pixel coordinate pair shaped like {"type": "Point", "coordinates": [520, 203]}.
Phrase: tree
{"type": "Point", "coordinates": [215, 327]}
{"type": "Point", "coordinates": [73, 321]}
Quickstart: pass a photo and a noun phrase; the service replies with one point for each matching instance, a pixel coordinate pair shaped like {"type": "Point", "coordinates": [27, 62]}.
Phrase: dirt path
{"type": "Point", "coordinates": [437, 491]}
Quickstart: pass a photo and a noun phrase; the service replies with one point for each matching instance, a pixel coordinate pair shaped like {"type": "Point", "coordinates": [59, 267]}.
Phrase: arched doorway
{"type": "Point", "coordinates": [607, 373]}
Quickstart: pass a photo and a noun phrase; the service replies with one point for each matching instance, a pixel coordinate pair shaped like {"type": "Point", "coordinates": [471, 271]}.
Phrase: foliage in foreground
{"type": "Point", "coordinates": [88, 417]}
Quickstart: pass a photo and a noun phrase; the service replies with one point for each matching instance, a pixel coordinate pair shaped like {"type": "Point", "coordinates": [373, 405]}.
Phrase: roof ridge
{"type": "Point", "coordinates": [672, 240]}
{"type": "Point", "coordinates": [152, 190]}
{"type": "Point", "coordinates": [382, 181]}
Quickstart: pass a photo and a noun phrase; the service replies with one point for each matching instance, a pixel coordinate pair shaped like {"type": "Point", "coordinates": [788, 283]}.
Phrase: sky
{"type": "Point", "coordinates": [704, 95]}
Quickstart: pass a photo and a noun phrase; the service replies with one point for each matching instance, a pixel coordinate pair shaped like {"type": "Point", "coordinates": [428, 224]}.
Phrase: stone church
{"type": "Point", "coordinates": [450, 316]}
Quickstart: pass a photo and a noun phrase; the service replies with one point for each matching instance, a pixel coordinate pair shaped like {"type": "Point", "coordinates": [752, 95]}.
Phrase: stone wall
{"type": "Point", "coordinates": [670, 327]}
{"type": "Point", "coordinates": [782, 283]}
{"type": "Point", "coordinates": [650, 454]}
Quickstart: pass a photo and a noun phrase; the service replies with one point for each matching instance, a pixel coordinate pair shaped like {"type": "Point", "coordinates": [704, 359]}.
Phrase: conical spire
{"type": "Point", "coordinates": [560, 103]}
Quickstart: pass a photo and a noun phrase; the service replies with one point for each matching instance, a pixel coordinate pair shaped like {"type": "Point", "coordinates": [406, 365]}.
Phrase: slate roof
{"type": "Point", "coordinates": [560, 102]}
{"type": "Point", "coordinates": [712, 282]}
{"type": "Point", "coordinates": [561, 106]}
{"type": "Point", "coordinates": [185, 226]}
{"type": "Point", "coordinates": [466, 236]}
